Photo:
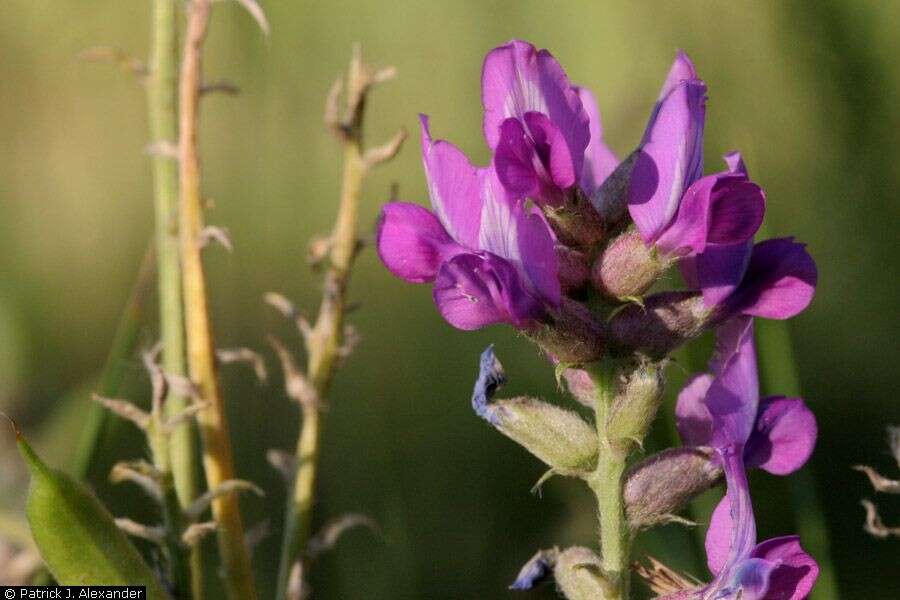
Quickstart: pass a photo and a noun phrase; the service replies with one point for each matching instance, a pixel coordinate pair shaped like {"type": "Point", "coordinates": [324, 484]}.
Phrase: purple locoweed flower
{"type": "Point", "coordinates": [778, 568]}
{"type": "Point", "coordinates": [775, 278]}
{"type": "Point", "coordinates": [534, 122]}
{"type": "Point", "coordinates": [783, 432]}
{"type": "Point", "coordinates": [491, 257]}
{"type": "Point", "coordinates": [670, 156]}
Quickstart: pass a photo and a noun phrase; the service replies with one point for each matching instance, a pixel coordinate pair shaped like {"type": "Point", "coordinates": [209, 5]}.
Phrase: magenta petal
{"type": "Point", "coordinates": [472, 291]}
{"type": "Point", "coordinates": [411, 242]}
{"type": "Point", "coordinates": [670, 159]}
{"type": "Point", "coordinates": [780, 281]}
{"type": "Point", "coordinates": [752, 579]}
{"type": "Point", "coordinates": [522, 238]}
{"type": "Point", "coordinates": [682, 69]}
{"type": "Point", "coordinates": [454, 187]}
{"type": "Point", "coordinates": [599, 160]}
{"type": "Point", "coordinates": [692, 417]}
{"type": "Point", "coordinates": [516, 79]}
{"type": "Point", "coordinates": [733, 396]}
{"type": "Point", "coordinates": [796, 573]}
{"type": "Point", "coordinates": [552, 149]}
{"type": "Point", "coordinates": [735, 163]}
{"type": "Point", "coordinates": [688, 232]}
{"type": "Point", "coordinates": [514, 160]}
{"type": "Point", "coordinates": [718, 536]}
{"type": "Point", "coordinates": [783, 437]}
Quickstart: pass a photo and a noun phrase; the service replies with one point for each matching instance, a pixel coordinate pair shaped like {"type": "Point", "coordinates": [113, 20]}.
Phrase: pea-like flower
{"type": "Point", "coordinates": [778, 568]}
{"type": "Point", "coordinates": [491, 257]}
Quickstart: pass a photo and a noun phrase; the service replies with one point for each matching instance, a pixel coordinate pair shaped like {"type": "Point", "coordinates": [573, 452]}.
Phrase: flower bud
{"type": "Point", "coordinates": [611, 198]}
{"type": "Point", "coordinates": [574, 269]}
{"type": "Point", "coordinates": [576, 222]}
{"type": "Point", "coordinates": [559, 437]}
{"type": "Point", "coordinates": [666, 321]}
{"type": "Point", "coordinates": [581, 386]}
{"type": "Point", "coordinates": [662, 485]}
{"type": "Point", "coordinates": [574, 336]}
{"type": "Point", "coordinates": [627, 267]}
{"type": "Point", "coordinates": [579, 574]}
{"type": "Point", "coordinates": [635, 405]}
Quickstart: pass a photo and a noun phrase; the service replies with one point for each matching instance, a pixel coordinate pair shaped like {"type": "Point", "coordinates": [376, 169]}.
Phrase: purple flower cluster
{"type": "Point", "coordinates": [496, 249]}
{"type": "Point", "coordinates": [561, 239]}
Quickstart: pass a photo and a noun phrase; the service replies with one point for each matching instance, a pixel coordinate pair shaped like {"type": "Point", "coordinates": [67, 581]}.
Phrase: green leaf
{"type": "Point", "coordinates": [76, 536]}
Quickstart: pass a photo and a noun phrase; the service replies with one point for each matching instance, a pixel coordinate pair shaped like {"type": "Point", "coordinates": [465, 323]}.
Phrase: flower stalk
{"type": "Point", "coordinates": [608, 484]}
{"type": "Point", "coordinates": [213, 424]}
{"type": "Point", "coordinates": [325, 339]}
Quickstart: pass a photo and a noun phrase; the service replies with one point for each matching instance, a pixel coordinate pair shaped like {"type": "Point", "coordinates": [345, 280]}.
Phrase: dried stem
{"type": "Point", "coordinates": [217, 458]}
{"type": "Point", "coordinates": [325, 339]}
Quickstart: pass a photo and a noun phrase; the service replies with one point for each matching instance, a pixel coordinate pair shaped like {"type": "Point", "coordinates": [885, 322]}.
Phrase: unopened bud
{"type": "Point", "coordinates": [574, 271]}
{"type": "Point", "coordinates": [579, 575]}
{"type": "Point", "coordinates": [574, 336]}
{"type": "Point", "coordinates": [581, 386]}
{"type": "Point", "coordinates": [635, 405]}
{"type": "Point", "coordinates": [665, 321]}
{"type": "Point", "coordinates": [576, 222]}
{"type": "Point", "coordinates": [627, 267]}
{"type": "Point", "coordinates": [559, 437]}
{"type": "Point", "coordinates": [662, 485]}
{"type": "Point", "coordinates": [611, 199]}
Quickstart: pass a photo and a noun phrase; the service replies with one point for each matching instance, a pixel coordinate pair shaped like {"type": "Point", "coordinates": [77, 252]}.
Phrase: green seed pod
{"type": "Point", "coordinates": [75, 534]}
{"type": "Point", "coordinates": [579, 575]}
{"type": "Point", "coordinates": [559, 437]}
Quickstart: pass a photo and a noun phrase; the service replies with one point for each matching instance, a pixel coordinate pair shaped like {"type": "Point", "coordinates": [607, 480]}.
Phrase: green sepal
{"type": "Point", "coordinates": [559, 437]}
{"type": "Point", "coordinates": [76, 536]}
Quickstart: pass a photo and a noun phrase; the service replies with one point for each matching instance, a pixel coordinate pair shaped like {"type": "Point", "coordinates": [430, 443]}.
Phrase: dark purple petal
{"type": "Point", "coordinates": [670, 158]}
{"type": "Point", "coordinates": [454, 187]}
{"type": "Point", "coordinates": [736, 210]}
{"type": "Point", "coordinates": [718, 271]}
{"type": "Point", "coordinates": [783, 437]}
{"type": "Point", "coordinates": [796, 573]}
{"type": "Point", "coordinates": [692, 417]}
{"type": "Point", "coordinates": [521, 236]}
{"type": "Point", "coordinates": [514, 160]}
{"type": "Point", "coordinates": [517, 79]}
{"type": "Point", "coordinates": [733, 396]}
{"type": "Point", "coordinates": [475, 290]}
{"type": "Point", "coordinates": [599, 160]}
{"type": "Point", "coordinates": [780, 281]}
{"type": "Point", "coordinates": [552, 150]}
{"type": "Point", "coordinates": [412, 243]}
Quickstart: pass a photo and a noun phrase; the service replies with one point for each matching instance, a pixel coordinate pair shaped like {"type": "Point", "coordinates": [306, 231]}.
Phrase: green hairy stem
{"type": "Point", "coordinates": [607, 483]}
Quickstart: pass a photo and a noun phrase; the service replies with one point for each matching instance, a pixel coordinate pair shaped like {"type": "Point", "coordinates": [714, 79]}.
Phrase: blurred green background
{"type": "Point", "coordinates": [807, 90]}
